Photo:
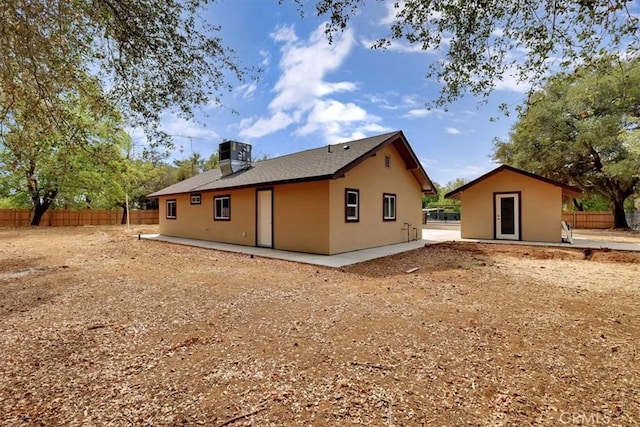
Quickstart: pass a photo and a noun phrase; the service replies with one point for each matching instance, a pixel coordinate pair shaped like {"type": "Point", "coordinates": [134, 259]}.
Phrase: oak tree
{"type": "Point", "coordinates": [68, 67]}
{"type": "Point", "coordinates": [68, 150]}
{"type": "Point", "coordinates": [480, 42]}
{"type": "Point", "coordinates": [148, 55]}
{"type": "Point", "coordinates": [583, 128]}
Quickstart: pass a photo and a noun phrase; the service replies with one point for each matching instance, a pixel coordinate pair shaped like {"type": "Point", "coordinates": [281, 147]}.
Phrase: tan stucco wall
{"type": "Point", "coordinates": [373, 179]}
{"type": "Point", "coordinates": [310, 217]}
{"type": "Point", "coordinates": [301, 217]}
{"type": "Point", "coordinates": [196, 221]}
{"type": "Point", "coordinates": [540, 207]}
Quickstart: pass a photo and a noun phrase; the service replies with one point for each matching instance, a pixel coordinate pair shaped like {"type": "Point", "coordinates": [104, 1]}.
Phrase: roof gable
{"type": "Point", "coordinates": [328, 162]}
{"type": "Point", "coordinates": [567, 190]}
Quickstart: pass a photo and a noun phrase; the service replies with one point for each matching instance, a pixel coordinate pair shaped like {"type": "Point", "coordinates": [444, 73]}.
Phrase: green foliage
{"type": "Point", "coordinates": [66, 150]}
{"type": "Point", "coordinates": [582, 129]}
{"type": "Point", "coordinates": [72, 71]}
{"type": "Point", "coordinates": [482, 42]}
{"type": "Point", "coordinates": [146, 56]}
{"type": "Point", "coordinates": [439, 201]}
{"type": "Point", "coordinates": [591, 202]}
{"type": "Point", "coordinates": [453, 185]}
{"type": "Point", "coordinates": [213, 162]}
{"type": "Point", "coordinates": [427, 201]}
{"type": "Point", "coordinates": [12, 203]}
{"type": "Point", "coordinates": [155, 174]}
{"type": "Point", "coordinates": [195, 165]}
{"type": "Point", "coordinates": [150, 176]}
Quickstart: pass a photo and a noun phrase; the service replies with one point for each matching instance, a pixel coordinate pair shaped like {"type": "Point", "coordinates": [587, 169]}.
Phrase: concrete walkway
{"type": "Point", "coordinates": [338, 260]}
{"type": "Point", "coordinates": [444, 235]}
{"type": "Point", "coordinates": [429, 237]}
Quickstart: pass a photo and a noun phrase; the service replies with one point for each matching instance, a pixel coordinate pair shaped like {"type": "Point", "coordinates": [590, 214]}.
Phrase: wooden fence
{"type": "Point", "coordinates": [67, 217]}
{"type": "Point", "coordinates": [588, 220]}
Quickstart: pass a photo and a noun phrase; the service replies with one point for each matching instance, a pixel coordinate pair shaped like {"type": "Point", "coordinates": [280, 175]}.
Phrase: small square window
{"type": "Point", "coordinates": [352, 205]}
{"type": "Point", "coordinates": [387, 161]}
{"type": "Point", "coordinates": [171, 209]}
{"type": "Point", "coordinates": [389, 207]}
{"type": "Point", "coordinates": [222, 208]}
{"type": "Point", "coordinates": [196, 199]}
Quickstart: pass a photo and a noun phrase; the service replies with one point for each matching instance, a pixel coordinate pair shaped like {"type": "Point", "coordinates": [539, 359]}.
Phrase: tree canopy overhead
{"type": "Point", "coordinates": [583, 128]}
{"type": "Point", "coordinates": [483, 41]}
{"type": "Point", "coordinates": [148, 55]}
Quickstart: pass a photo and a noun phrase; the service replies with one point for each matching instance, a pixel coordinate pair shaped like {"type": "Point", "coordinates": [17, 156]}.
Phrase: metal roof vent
{"type": "Point", "coordinates": [234, 157]}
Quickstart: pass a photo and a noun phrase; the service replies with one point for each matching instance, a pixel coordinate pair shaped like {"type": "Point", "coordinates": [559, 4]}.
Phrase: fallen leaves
{"type": "Point", "coordinates": [137, 332]}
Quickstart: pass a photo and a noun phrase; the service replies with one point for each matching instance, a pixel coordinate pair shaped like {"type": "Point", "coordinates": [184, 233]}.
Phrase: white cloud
{"type": "Point", "coordinates": [187, 135]}
{"type": "Point", "coordinates": [410, 100]}
{"type": "Point", "coordinates": [420, 112]}
{"type": "Point", "coordinates": [284, 34]}
{"type": "Point", "coordinates": [452, 131]}
{"type": "Point", "coordinates": [304, 67]}
{"type": "Point", "coordinates": [246, 90]}
{"type": "Point", "coordinates": [334, 111]}
{"type": "Point", "coordinates": [428, 163]}
{"type": "Point", "coordinates": [331, 117]}
{"type": "Point", "coordinates": [510, 83]}
{"type": "Point", "coordinates": [304, 97]}
{"type": "Point", "coordinates": [251, 128]}
{"type": "Point", "coordinates": [177, 126]}
{"type": "Point", "coordinates": [358, 132]}
{"type": "Point", "coordinates": [391, 11]}
{"type": "Point", "coordinates": [266, 58]}
{"type": "Point", "coordinates": [424, 112]}
{"type": "Point", "coordinates": [398, 46]}
{"type": "Point", "coordinates": [465, 171]}
{"type": "Point", "coordinates": [386, 101]}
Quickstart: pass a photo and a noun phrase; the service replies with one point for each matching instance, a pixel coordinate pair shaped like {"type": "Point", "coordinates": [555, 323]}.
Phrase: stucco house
{"type": "Point", "coordinates": [327, 200]}
{"type": "Point", "coordinates": [512, 204]}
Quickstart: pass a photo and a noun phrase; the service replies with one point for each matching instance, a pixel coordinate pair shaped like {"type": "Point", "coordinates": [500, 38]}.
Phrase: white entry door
{"type": "Point", "coordinates": [508, 216]}
{"type": "Point", "coordinates": [264, 220]}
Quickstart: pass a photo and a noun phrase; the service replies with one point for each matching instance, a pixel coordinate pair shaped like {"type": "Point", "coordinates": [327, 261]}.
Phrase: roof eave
{"type": "Point", "coordinates": [258, 185]}
{"type": "Point", "coordinates": [408, 156]}
{"type": "Point", "coordinates": [567, 190]}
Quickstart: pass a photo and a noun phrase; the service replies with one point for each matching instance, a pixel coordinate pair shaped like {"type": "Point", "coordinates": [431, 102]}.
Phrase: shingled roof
{"type": "Point", "coordinates": [328, 162]}
{"type": "Point", "coordinates": [567, 190]}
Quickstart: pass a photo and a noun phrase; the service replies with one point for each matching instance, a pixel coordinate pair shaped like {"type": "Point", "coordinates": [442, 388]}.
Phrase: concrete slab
{"type": "Point", "coordinates": [444, 235]}
{"type": "Point", "coordinates": [429, 237]}
{"type": "Point", "coordinates": [338, 260]}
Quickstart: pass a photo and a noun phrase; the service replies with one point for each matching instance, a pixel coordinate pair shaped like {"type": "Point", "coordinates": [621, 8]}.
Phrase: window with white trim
{"type": "Point", "coordinates": [388, 207]}
{"type": "Point", "coordinates": [351, 205]}
{"type": "Point", "coordinates": [222, 208]}
{"type": "Point", "coordinates": [196, 199]}
{"type": "Point", "coordinates": [171, 209]}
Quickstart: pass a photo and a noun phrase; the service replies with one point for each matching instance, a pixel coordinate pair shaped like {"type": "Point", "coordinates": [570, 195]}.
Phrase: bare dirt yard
{"type": "Point", "coordinates": [99, 328]}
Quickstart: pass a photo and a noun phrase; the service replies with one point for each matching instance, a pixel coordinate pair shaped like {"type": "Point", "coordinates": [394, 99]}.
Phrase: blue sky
{"type": "Point", "coordinates": [310, 93]}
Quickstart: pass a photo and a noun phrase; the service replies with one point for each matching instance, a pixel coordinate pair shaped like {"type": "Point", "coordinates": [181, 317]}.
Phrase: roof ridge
{"type": "Point", "coordinates": [328, 145]}
{"type": "Point", "coordinates": [305, 165]}
{"type": "Point", "coordinates": [513, 169]}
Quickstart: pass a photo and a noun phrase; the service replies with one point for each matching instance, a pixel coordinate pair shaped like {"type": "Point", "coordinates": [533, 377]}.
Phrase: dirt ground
{"type": "Point", "coordinates": [99, 328]}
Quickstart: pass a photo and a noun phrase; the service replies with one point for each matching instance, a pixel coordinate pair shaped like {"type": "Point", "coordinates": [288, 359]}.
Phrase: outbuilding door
{"type": "Point", "coordinates": [264, 218]}
{"type": "Point", "coordinates": [507, 214]}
